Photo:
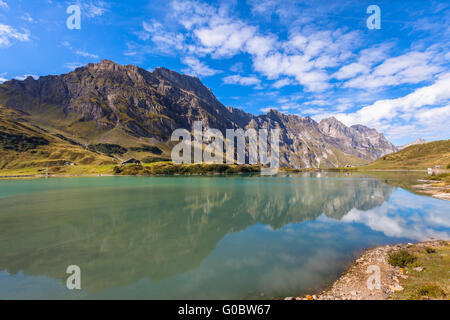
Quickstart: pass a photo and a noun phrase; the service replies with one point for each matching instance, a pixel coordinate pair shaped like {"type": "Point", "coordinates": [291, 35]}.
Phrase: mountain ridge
{"type": "Point", "coordinates": [412, 143]}
{"type": "Point", "coordinates": [127, 105]}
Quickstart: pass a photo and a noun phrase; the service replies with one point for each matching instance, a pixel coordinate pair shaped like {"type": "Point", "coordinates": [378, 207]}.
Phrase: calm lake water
{"type": "Point", "coordinates": [200, 237]}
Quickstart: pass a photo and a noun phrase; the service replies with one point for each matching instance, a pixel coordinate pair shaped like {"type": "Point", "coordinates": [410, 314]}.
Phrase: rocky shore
{"type": "Point", "coordinates": [359, 282]}
{"type": "Point", "coordinates": [440, 190]}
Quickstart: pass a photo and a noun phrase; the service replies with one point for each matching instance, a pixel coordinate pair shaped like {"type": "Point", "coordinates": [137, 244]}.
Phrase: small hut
{"type": "Point", "coordinates": [131, 161]}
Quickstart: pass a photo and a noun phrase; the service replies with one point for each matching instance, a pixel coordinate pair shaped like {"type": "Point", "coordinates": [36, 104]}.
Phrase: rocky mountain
{"type": "Point", "coordinates": [417, 141]}
{"type": "Point", "coordinates": [131, 107]}
{"type": "Point", "coordinates": [358, 138]}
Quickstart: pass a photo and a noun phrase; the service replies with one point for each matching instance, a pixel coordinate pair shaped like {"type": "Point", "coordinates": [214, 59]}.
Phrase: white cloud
{"type": "Point", "coordinates": [265, 110]}
{"type": "Point", "coordinates": [223, 39]}
{"type": "Point", "coordinates": [237, 67]}
{"type": "Point", "coordinates": [412, 226]}
{"type": "Point", "coordinates": [242, 80]}
{"type": "Point", "coordinates": [412, 67]}
{"type": "Point", "coordinates": [66, 44]}
{"type": "Point", "coordinates": [79, 52]}
{"type": "Point", "coordinates": [73, 65]}
{"type": "Point", "coordinates": [86, 54]}
{"type": "Point", "coordinates": [263, 6]}
{"type": "Point", "coordinates": [261, 45]}
{"type": "Point", "coordinates": [312, 56]}
{"type": "Point", "coordinates": [3, 5]}
{"type": "Point", "coordinates": [7, 33]}
{"type": "Point", "coordinates": [318, 102]}
{"type": "Point", "coordinates": [2, 75]}
{"type": "Point", "coordinates": [197, 68]}
{"type": "Point", "coordinates": [27, 17]}
{"type": "Point", "coordinates": [422, 113]}
{"type": "Point", "coordinates": [434, 115]}
{"type": "Point", "coordinates": [388, 109]}
{"type": "Point", "coordinates": [94, 8]}
{"type": "Point", "coordinates": [214, 31]}
{"type": "Point", "coordinates": [165, 41]}
{"type": "Point", "coordinates": [34, 76]}
{"type": "Point", "coordinates": [351, 70]}
{"type": "Point", "coordinates": [282, 83]}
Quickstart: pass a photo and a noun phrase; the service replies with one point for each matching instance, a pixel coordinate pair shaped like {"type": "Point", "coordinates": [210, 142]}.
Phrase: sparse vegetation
{"type": "Point", "coordinates": [430, 291]}
{"type": "Point", "coordinates": [420, 156]}
{"type": "Point", "coordinates": [431, 280]}
{"type": "Point", "coordinates": [152, 149]}
{"type": "Point", "coordinates": [154, 159]}
{"type": "Point", "coordinates": [430, 250]}
{"type": "Point", "coordinates": [401, 258]}
{"type": "Point", "coordinates": [19, 142]}
{"type": "Point", "coordinates": [108, 149]}
{"type": "Point", "coordinates": [440, 177]}
{"type": "Point", "coordinates": [162, 168]}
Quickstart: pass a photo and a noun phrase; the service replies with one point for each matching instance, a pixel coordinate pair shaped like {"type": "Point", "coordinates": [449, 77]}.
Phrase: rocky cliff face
{"type": "Point", "coordinates": [365, 142]}
{"type": "Point", "coordinates": [127, 105]}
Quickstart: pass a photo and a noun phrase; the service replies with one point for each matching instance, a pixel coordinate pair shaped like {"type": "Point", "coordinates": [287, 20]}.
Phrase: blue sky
{"type": "Point", "coordinates": [315, 58]}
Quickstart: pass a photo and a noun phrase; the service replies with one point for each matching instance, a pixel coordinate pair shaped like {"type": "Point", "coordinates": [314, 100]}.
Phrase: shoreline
{"type": "Point", "coordinates": [353, 284]}
{"type": "Point", "coordinates": [434, 189]}
{"type": "Point", "coordinates": [282, 170]}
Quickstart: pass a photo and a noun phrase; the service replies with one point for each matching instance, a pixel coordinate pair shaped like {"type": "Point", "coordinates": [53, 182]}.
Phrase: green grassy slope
{"type": "Point", "coordinates": [23, 145]}
{"type": "Point", "coordinates": [421, 156]}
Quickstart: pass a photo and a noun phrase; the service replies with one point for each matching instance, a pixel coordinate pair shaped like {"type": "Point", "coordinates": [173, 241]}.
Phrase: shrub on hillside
{"type": "Point", "coordinates": [430, 250]}
{"type": "Point", "coordinates": [18, 142]}
{"type": "Point", "coordinates": [153, 159]}
{"type": "Point", "coordinates": [431, 290]}
{"type": "Point", "coordinates": [401, 258]}
{"type": "Point", "coordinates": [107, 148]}
{"type": "Point", "coordinates": [168, 168]}
{"type": "Point", "coordinates": [152, 149]}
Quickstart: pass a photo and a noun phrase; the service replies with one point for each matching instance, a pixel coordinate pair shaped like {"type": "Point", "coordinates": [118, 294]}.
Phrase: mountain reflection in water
{"type": "Point", "coordinates": [171, 233]}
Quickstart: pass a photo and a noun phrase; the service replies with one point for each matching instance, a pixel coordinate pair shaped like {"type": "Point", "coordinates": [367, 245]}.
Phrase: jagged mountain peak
{"type": "Point", "coordinates": [333, 127]}
{"type": "Point", "coordinates": [185, 82]}
{"type": "Point", "coordinates": [362, 128]}
{"type": "Point", "coordinates": [104, 65]}
{"type": "Point", "coordinates": [331, 119]}
{"type": "Point", "coordinates": [107, 102]}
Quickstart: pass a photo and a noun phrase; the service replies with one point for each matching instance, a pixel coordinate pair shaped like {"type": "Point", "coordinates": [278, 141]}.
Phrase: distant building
{"type": "Point", "coordinates": [131, 161]}
{"type": "Point", "coordinates": [434, 171]}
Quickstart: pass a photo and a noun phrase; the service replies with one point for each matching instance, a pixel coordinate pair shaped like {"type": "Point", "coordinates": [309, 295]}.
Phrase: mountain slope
{"type": "Point", "coordinates": [417, 141]}
{"type": "Point", "coordinates": [419, 156]}
{"type": "Point", "coordinates": [357, 138]}
{"type": "Point", "coordinates": [135, 108]}
{"type": "Point", "coordinates": [23, 145]}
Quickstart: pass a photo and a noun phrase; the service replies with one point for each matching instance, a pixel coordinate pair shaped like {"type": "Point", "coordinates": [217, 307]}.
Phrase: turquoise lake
{"type": "Point", "coordinates": [221, 237]}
